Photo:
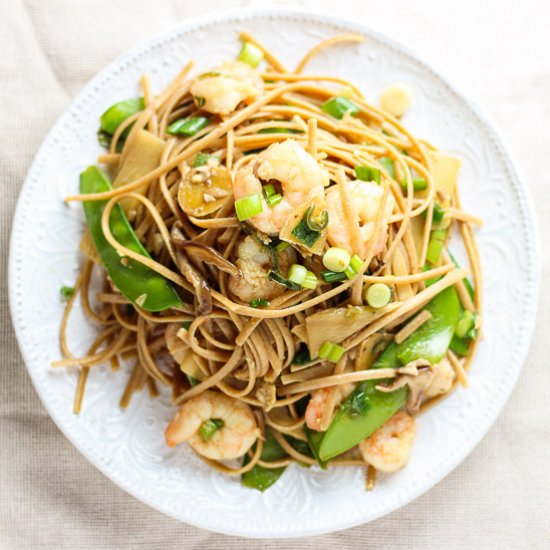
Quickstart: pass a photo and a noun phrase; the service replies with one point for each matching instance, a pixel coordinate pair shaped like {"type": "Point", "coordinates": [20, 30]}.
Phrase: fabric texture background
{"type": "Point", "coordinates": [51, 497]}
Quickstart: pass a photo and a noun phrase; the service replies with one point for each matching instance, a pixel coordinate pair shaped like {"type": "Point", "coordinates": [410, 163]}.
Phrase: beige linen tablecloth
{"type": "Point", "coordinates": [51, 497]}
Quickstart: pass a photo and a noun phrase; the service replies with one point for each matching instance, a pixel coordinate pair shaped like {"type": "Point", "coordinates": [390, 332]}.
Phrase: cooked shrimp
{"type": "Point", "coordinates": [286, 163]}
{"type": "Point", "coordinates": [316, 406]}
{"type": "Point", "coordinates": [366, 198]}
{"type": "Point", "coordinates": [255, 262]}
{"type": "Point", "coordinates": [388, 448]}
{"type": "Point", "coordinates": [220, 90]}
{"type": "Point", "coordinates": [237, 433]}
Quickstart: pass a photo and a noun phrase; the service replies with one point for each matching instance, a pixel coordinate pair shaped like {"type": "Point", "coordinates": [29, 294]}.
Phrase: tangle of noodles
{"type": "Point", "coordinates": [234, 347]}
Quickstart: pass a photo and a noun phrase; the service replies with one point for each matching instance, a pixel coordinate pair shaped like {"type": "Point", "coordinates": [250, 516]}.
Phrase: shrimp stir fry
{"type": "Point", "coordinates": [255, 261]}
{"type": "Point", "coordinates": [366, 201]}
{"type": "Point", "coordinates": [288, 165]}
{"type": "Point", "coordinates": [388, 448]}
{"type": "Point", "coordinates": [235, 426]}
{"type": "Point", "coordinates": [221, 90]}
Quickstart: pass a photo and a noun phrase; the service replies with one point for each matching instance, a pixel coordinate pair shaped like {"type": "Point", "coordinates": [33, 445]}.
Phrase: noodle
{"type": "Point", "coordinates": [244, 326]}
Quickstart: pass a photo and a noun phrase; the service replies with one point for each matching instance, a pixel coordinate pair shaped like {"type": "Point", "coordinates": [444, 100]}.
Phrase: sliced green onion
{"type": "Point", "coordinates": [316, 224]}
{"type": "Point", "coordinates": [378, 295]}
{"type": "Point", "coordinates": [435, 245]}
{"type": "Point", "coordinates": [248, 207]}
{"type": "Point", "coordinates": [210, 427]}
{"type": "Point", "coordinates": [349, 272]}
{"type": "Point", "coordinates": [389, 165]}
{"type": "Point", "coordinates": [115, 115]}
{"type": "Point", "coordinates": [367, 173]}
{"type": "Point", "coordinates": [269, 190]}
{"type": "Point", "coordinates": [331, 352]}
{"type": "Point", "coordinates": [186, 324]}
{"type": "Point", "coordinates": [282, 246]}
{"type": "Point", "coordinates": [310, 281]}
{"type": "Point", "coordinates": [419, 184]}
{"type": "Point", "coordinates": [356, 263]}
{"type": "Point", "coordinates": [337, 107]}
{"type": "Point", "coordinates": [192, 380]}
{"type": "Point", "coordinates": [332, 276]}
{"type": "Point", "coordinates": [188, 127]}
{"type": "Point", "coordinates": [66, 292]}
{"type": "Point", "coordinates": [202, 159]}
{"type": "Point", "coordinates": [302, 357]}
{"type": "Point", "coordinates": [303, 232]}
{"type": "Point", "coordinates": [279, 130]}
{"type": "Point", "coordinates": [259, 302]}
{"type": "Point", "coordinates": [250, 54]}
{"type": "Point", "coordinates": [297, 274]}
{"type": "Point", "coordinates": [438, 213]}
{"type": "Point", "coordinates": [274, 200]}
{"type": "Point", "coordinates": [466, 324]}
{"type": "Point", "coordinates": [336, 259]}
{"type": "Point", "coordinates": [282, 281]}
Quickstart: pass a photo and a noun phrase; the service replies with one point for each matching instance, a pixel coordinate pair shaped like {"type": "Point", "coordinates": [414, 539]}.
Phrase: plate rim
{"type": "Point", "coordinates": [324, 17]}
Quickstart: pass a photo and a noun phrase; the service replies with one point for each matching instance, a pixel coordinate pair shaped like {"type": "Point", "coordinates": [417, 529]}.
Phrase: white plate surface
{"type": "Point", "coordinates": [128, 446]}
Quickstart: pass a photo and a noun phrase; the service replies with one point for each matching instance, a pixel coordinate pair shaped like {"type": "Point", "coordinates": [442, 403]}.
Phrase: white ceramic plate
{"type": "Point", "coordinates": [129, 446]}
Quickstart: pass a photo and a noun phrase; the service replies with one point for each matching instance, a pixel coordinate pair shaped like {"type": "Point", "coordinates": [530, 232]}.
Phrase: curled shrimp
{"type": "Point", "coordinates": [288, 165]}
{"type": "Point", "coordinates": [366, 199]}
{"type": "Point", "coordinates": [255, 262]}
{"type": "Point", "coordinates": [221, 90]}
{"type": "Point", "coordinates": [388, 448]}
{"type": "Point", "coordinates": [316, 406]}
{"type": "Point", "coordinates": [237, 432]}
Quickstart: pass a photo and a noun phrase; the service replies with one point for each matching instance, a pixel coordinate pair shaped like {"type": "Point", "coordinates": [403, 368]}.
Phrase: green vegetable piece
{"type": "Point", "coordinates": [332, 276]}
{"type": "Point", "coordinates": [115, 115]}
{"type": "Point", "coordinates": [337, 107]}
{"type": "Point", "coordinates": [248, 207]}
{"type": "Point", "coordinates": [366, 409]}
{"type": "Point", "coordinates": [250, 54]}
{"type": "Point", "coordinates": [378, 295]}
{"type": "Point", "coordinates": [140, 284]}
{"type": "Point", "coordinates": [304, 233]}
{"type": "Point", "coordinates": [389, 165]}
{"type": "Point", "coordinates": [282, 246]}
{"type": "Point", "coordinates": [274, 276]}
{"type": "Point", "coordinates": [279, 130]}
{"type": "Point", "coordinates": [435, 245]}
{"type": "Point", "coordinates": [259, 302]}
{"type": "Point", "coordinates": [314, 439]}
{"type": "Point", "coordinates": [274, 200]}
{"type": "Point", "coordinates": [192, 381]}
{"type": "Point", "coordinates": [466, 323]}
{"type": "Point", "coordinates": [66, 292]}
{"type": "Point", "coordinates": [367, 173]}
{"type": "Point", "coordinates": [261, 478]}
{"type": "Point", "coordinates": [419, 184]}
{"type": "Point", "coordinates": [460, 346]}
{"type": "Point", "coordinates": [302, 356]}
{"type": "Point", "coordinates": [201, 159]}
{"type": "Point", "coordinates": [188, 127]}
{"type": "Point", "coordinates": [210, 427]}
{"type": "Point", "coordinates": [466, 281]}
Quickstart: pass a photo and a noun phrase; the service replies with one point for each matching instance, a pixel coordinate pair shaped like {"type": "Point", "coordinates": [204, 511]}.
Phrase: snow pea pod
{"type": "Point", "coordinates": [366, 409]}
{"type": "Point", "coordinates": [115, 115]}
{"type": "Point", "coordinates": [137, 282]}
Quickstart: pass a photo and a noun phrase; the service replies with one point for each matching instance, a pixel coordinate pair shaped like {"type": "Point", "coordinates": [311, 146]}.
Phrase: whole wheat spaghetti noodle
{"type": "Point", "coordinates": [275, 251]}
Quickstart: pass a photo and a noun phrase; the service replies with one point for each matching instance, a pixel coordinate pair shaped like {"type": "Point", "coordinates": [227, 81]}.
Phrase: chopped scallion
{"type": "Point", "coordinates": [356, 263]}
{"type": "Point", "coordinates": [66, 292]}
{"type": "Point", "coordinates": [210, 427]}
{"type": "Point", "coordinates": [310, 281]}
{"type": "Point", "coordinates": [419, 184]}
{"type": "Point", "coordinates": [269, 190]}
{"type": "Point", "coordinates": [250, 54]}
{"type": "Point", "coordinates": [336, 259]}
{"type": "Point", "coordinates": [316, 223]}
{"type": "Point", "coordinates": [389, 165]}
{"type": "Point", "coordinates": [435, 245]}
{"type": "Point", "coordinates": [367, 173]}
{"type": "Point", "coordinates": [259, 302]}
{"type": "Point", "coordinates": [279, 130]}
{"type": "Point", "coordinates": [378, 295]}
{"type": "Point", "coordinates": [282, 246]}
{"type": "Point", "coordinates": [337, 107]}
{"type": "Point", "coordinates": [202, 159]}
{"type": "Point", "coordinates": [248, 207]}
{"type": "Point", "coordinates": [188, 127]}
{"type": "Point", "coordinates": [274, 200]}
{"type": "Point", "coordinates": [332, 276]}
{"type": "Point", "coordinates": [297, 274]}
{"type": "Point", "coordinates": [303, 232]}
{"type": "Point", "coordinates": [466, 324]}
{"type": "Point", "coordinates": [331, 352]}
{"type": "Point", "coordinates": [282, 281]}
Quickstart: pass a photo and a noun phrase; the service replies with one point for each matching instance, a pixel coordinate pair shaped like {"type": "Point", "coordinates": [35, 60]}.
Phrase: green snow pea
{"type": "Point", "coordinates": [366, 409]}
{"type": "Point", "coordinates": [137, 282]}
{"type": "Point", "coordinates": [115, 115]}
